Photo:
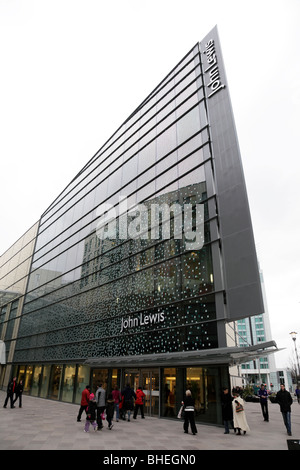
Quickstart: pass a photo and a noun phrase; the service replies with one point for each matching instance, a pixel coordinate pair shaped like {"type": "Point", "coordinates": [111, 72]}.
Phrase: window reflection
{"type": "Point", "coordinates": [154, 158]}
{"type": "Point", "coordinates": [69, 383]}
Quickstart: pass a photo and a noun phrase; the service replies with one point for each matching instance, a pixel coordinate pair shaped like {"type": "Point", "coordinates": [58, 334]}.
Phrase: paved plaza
{"type": "Point", "coordinates": [48, 425]}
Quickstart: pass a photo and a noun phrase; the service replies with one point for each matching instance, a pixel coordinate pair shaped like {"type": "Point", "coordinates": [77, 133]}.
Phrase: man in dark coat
{"type": "Point", "coordinates": [128, 394]}
{"type": "Point", "coordinates": [19, 391]}
{"type": "Point", "coordinates": [284, 399]}
{"type": "Point", "coordinates": [227, 415]}
{"type": "Point", "coordinates": [11, 389]}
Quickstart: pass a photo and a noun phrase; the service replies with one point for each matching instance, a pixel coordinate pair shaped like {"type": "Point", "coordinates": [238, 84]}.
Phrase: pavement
{"type": "Point", "coordinates": [50, 425]}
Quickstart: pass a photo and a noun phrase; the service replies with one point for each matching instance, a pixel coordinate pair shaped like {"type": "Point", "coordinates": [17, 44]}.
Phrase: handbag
{"type": "Point", "coordinates": [239, 407]}
{"type": "Point", "coordinates": [179, 416]}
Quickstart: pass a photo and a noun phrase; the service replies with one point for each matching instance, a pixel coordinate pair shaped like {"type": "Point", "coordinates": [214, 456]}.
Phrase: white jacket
{"type": "Point", "coordinates": [239, 419]}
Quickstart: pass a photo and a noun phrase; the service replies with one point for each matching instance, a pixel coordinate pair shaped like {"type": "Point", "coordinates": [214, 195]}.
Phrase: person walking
{"type": "Point", "coordinates": [19, 391]}
{"type": "Point", "coordinates": [263, 399]}
{"type": "Point", "coordinates": [128, 394]}
{"type": "Point", "coordinates": [101, 404]}
{"type": "Point", "coordinates": [91, 414]}
{"type": "Point", "coordinates": [189, 413]}
{"type": "Point", "coordinates": [239, 415]}
{"type": "Point", "coordinates": [297, 393]}
{"type": "Point", "coordinates": [284, 399]}
{"type": "Point", "coordinates": [139, 403]}
{"type": "Point", "coordinates": [110, 408]}
{"type": "Point", "coordinates": [227, 413]}
{"type": "Point", "coordinates": [116, 394]}
{"type": "Point", "coordinates": [85, 397]}
{"type": "Point", "coordinates": [11, 389]}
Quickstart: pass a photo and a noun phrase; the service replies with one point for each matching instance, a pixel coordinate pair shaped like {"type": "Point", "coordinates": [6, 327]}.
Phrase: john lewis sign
{"type": "Point", "coordinates": [212, 70]}
{"type": "Point", "coordinates": [141, 320]}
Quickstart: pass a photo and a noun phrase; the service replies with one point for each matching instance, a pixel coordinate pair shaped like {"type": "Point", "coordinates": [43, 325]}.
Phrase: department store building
{"type": "Point", "coordinates": [137, 268]}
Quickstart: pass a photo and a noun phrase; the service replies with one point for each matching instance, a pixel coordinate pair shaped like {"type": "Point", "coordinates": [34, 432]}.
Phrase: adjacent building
{"type": "Point", "coordinates": [137, 268]}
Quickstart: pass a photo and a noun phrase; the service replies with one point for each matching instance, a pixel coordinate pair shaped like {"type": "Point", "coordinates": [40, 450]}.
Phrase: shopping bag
{"type": "Point", "coordinates": [179, 416]}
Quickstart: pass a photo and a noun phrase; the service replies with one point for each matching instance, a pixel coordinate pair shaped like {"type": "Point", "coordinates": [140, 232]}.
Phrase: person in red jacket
{"type": "Point", "coordinates": [139, 403]}
{"type": "Point", "coordinates": [85, 398]}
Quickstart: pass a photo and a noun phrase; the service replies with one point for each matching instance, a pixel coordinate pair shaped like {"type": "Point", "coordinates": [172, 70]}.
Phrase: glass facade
{"type": "Point", "coordinates": [14, 270]}
{"type": "Point", "coordinates": [82, 287]}
{"type": "Point", "coordinates": [125, 266]}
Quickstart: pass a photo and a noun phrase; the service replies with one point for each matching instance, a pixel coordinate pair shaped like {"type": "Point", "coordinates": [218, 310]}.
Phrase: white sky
{"type": "Point", "coordinates": [71, 71]}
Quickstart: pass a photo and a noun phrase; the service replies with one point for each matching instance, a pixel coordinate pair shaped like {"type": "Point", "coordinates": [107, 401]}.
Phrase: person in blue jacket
{"type": "Point", "coordinates": [263, 398]}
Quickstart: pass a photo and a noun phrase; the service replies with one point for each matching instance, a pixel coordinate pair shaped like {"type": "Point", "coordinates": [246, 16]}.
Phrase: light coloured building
{"type": "Point", "coordinates": [262, 369]}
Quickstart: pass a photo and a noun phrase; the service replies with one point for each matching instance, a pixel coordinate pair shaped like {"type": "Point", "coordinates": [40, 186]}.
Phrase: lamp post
{"type": "Point", "coordinates": [294, 337]}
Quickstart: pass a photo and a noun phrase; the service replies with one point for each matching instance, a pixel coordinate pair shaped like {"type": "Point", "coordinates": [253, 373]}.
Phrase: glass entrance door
{"type": "Point", "coordinates": [150, 385]}
{"type": "Point", "coordinates": [132, 377]}
{"type": "Point", "coordinates": [148, 379]}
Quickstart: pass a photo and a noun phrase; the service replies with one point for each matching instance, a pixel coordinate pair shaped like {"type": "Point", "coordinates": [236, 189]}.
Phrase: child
{"type": "Point", "coordinates": [91, 414]}
{"type": "Point", "coordinates": [110, 407]}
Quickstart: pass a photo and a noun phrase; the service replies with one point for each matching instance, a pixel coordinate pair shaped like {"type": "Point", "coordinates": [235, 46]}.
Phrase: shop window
{"type": "Point", "coordinates": [45, 382]}
{"type": "Point", "coordinates": [21, 374]}
{"type": "Point", "coordinates": [55, 382]}
{"type": "Point", "coordinates": [36, 381]}
{"type": "Point", "coordinates": [204, 384]}
{"type": "Point", "coordinates": [100, 376]}
{"type": "Point", "coordinates": [68, 384]}
{"type": "Point", "coordinates": [28, 379]}
{"type": "Point", "coordinates": [83, 379]}
{"type": "Point", "coordinates": [172, 391]}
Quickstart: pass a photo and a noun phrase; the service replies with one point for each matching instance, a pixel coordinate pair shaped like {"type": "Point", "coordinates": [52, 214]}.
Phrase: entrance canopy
{"type": "Point", "coordinates": [226, 356]}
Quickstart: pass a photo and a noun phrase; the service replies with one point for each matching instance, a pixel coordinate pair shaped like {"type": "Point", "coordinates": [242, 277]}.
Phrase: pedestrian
{"type": "Point", "coordinates": [121, 408]}
{"type": "Point", "coordinates": [263, 398]}
{"type": "Point", "coordinates": [110, 408]}
{"type": "Point", "coordinates": [128, 394]}
{"type": "Point", "coordinates": [19, 391]}
{"type": "Point", "coordinates": [85, 397]}
{"type": "Point", "coordinates": [297, 393]}
{"type": "Point", "coordinates": [117, 398]}
{"type": "Point", "coordinates": [11, 389]}
{"type": "Point", "coordinates": [139, 403]}
{"type": "Point", "coordinates": [227, 414]}
{"type": "Point", "coordinates": [239, 415]}
{"type": "Point", "coordinates": [189, 413]}
{"type": "Point", "coordinates": [284, 399]}
{"type": "Point", "coordinates": [91, 414]}
{"type": "Point", "coordinates": [101, 404]}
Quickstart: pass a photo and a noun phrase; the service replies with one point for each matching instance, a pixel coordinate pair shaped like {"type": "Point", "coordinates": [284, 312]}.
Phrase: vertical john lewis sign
{"type": "Point", "coordinates": [212, 69]}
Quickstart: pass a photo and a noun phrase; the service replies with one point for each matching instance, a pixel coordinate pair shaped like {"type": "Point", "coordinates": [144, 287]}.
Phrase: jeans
{"type": "Point", "coordinates": [117, 411]}
{"type": "Point", "coordinates": [287, 420]}
{"type": "Point", "coordinates": [226, 425]}
{"type": "Point", "coordinates": [264, 409]}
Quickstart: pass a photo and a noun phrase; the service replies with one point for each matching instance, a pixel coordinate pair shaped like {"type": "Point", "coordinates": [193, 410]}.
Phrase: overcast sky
{"type": "Point", "coordinates": [73, 70]}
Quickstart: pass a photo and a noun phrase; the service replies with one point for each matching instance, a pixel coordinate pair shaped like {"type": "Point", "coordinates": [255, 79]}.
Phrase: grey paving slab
{"type": "Point", "coordinates": [48, 425]}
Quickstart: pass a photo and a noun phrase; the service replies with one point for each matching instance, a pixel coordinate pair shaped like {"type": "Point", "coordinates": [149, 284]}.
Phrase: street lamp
{"type": "Point", "coordinates": [294, 337]}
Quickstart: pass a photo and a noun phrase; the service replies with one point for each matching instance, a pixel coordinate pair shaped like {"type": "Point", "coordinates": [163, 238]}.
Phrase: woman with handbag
{"type": "Point", "coordinates": [239, 415]}
{"type": "Point", "coordinates": [189, 413]}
